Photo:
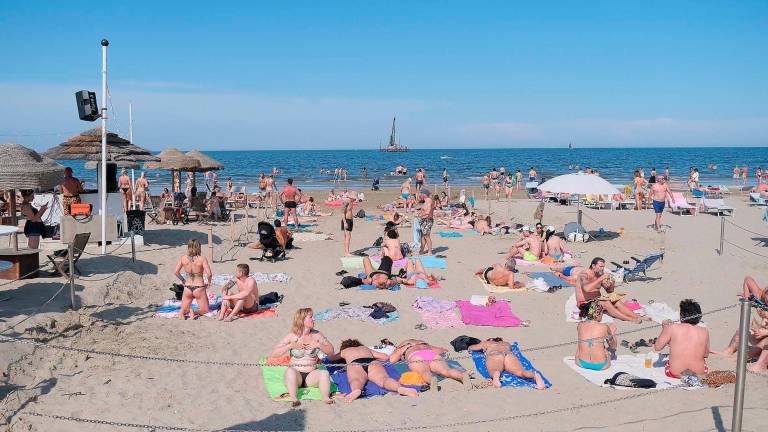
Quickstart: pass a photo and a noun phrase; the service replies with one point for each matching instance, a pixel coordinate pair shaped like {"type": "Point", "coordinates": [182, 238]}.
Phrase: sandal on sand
{"type": "Point", "coordinates": [420, 326]}
{"type": "Point", "coordinates": [341, 273]}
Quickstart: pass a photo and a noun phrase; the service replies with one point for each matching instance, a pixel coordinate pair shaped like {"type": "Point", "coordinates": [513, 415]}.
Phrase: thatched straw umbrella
{"type": "Point", "coordinates": [23, 168]}
{"type": "Point", "coordinates": [120, 164]}
{"type": "Point", "coordinates": [87, 146]}
{"type": "Point", "coordinates": [207, 163]}
{"type": "Point", "coordinates": [175, 161]}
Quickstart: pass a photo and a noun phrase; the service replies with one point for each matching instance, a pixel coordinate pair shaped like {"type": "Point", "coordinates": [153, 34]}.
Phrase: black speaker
{"type": "Point", "coordinates": [111, 176]}
{"type": "Point", "coordinates": [87, 108]}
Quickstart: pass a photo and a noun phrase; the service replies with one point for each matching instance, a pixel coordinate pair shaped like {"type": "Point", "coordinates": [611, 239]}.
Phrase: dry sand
{"type": "Point", "coordinates": [116, 316]}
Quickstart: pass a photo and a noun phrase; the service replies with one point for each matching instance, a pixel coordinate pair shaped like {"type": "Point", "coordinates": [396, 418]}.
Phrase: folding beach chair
{"type": "Point", "coordinates": [717, 206]}
{"type": "Point", "coordinates": [756, 199]}
{"type": "Point", "coordinates": [641, 266]}
{"type": "Point", "coordinates": [60, 258]}
{"type": "Point", "coordinates": [153, 209]}
{"type": "Point", "coordinates": [678, 204]}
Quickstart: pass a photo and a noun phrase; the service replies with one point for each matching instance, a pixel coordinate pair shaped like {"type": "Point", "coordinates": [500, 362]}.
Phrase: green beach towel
{"type": "Point", "coordinates": [273, 381]}
{"type": "Point", "coordinates": [352, 262]}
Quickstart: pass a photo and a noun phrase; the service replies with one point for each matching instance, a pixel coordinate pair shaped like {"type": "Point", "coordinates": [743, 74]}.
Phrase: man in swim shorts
{"type": "Point", "coordinates": [589, 283]}
{"type": "Point", "coordinates": [347, 223]}
{"type": "Point", "coordinates": [500, 274]}
{"type": "Point", "coordinates": [567, 272]}
{"type": "Point", "coordinates": [290, 196]}
{"type": "Point", "coordinates": [529, 248]}
{"type": "Point", "coordinates": [659, 195]}
{"type": "Point", "coordinates": [247, 298]}
{"type": "Point", "coordinates": [426, 223]}
{"type": "Point", "coordinates": [688, 342]}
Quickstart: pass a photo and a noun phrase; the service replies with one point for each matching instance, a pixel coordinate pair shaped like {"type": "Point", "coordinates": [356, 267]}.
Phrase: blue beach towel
{"type": "Point", "coordinates": [429, 261]}
{"type": "Point", "coordinates": [395, 287]}
{"type": "Point", "coordinates": [339, 377]}
{"type": "Point", "coordinates": [449, 234]}
{"type": "Point", "coordinates": [507, 379]}
{"type": "Point", "coordinates": [301, 225]}
{"type": "Point", "coordinates": [550, 278]}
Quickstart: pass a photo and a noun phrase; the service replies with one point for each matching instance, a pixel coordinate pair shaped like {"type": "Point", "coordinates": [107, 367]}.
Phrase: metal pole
{"type": "Point", "coordinates": [722, 234]}
{"type": "Point", "coordinates": [130, 138]}
{"type": "Point", "coordinates": [741, 365]}
{"type": "Point", "coordinates": [71, 256]}
{"type": "Point", "coordinates": [103, 186]}
{"type": "Point", "coordinates": [210, 242]}
{"type": "Point", "coordinates": [133, 247]}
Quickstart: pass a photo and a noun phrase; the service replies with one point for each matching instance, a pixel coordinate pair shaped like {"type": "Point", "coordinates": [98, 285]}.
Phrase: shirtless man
{"type": "Point", "coordinates": [391, 245]}
{"type": "Point", "coordinates": [688, 343]}
{"type": "Point", "coordinates": [247, 298]}
{"type": "Point", "coordinates": [532, 175]}
{"type": "Point", "coordinates": [70, 190]}
{"type": "Point", "coordinates": [290, 197]}
{"type": "Point", "coordinates": [567, 272]}
{"type": "Point", "coordinates": [659, 194]}
{"type": "Point", "coordinates": [500, 274]}
{"type": "Point", "coordinates": [347, 223]}
{"type": "Point", "coordinates": [124, 183]}
{"type": "Point", "coordinates": [499, 358]}
{"type": "Point", "coordinates": [419, 180]}
{"type": "Point", "coordinates": [588, 285]}
{"type": "Point", "coordinates": [426, 223]}
{"type": "Point", "coordinates": [529, 248]}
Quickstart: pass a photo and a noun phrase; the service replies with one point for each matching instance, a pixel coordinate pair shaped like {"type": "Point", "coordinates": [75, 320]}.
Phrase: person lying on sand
{"type": "Point", "coordinates": [196, 269]}
{"type": "Point", "coordinates": [483, 226]}
{"type": "Point", "coordinates": [363, 365]}
{"type": "Point", "coordinates": [247, 298]}
{"type": "Point", "coordinates": [427, 361]}
{"type": "Point", "coordinates": [688, 342]}
{"type": "Point", "coordinates": [500, 274]}
{"type": "Point", "coordinates": [415, 272]}
{"type": "Point", "coordinates": [567, 272]}
{"type": "Point", "coordinates": [381, 278]}
{"type": "Point", "coordinates": [499, 358]}
{"type": "Point", "coordinates": [593, 336]}
{"type": "Point", "coordinates": [588, 285]}
{"type": "Point", "coordinates": [304, 344]}
{"type": "Point", "coordinates": [758, 332]}
{"type": "Point", "coordinates": [529, 248]}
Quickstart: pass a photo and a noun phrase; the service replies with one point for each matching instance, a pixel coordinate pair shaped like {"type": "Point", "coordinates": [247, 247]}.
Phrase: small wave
{"type": "Point", "coordinates": [446, 157]}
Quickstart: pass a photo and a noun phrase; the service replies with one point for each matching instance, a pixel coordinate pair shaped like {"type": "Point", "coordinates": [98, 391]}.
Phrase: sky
{"type": "Point", "coordinates": [332, 74]}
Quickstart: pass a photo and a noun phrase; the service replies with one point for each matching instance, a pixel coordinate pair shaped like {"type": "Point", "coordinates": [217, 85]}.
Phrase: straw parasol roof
{"type": "Point", "coordinates": [24, 168]}
{"type": "Point", "coordinates": [207, 163]}
{"type": "Point", "coordinates": [172, 159]}
{"type": "Point", "coordinates": [87, 146]}
{"type": "Point", "coordinates": [119, 163]}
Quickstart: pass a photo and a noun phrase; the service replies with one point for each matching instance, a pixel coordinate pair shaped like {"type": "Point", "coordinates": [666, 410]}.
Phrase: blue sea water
{"type": "Point", "coordinates": [466, 166]}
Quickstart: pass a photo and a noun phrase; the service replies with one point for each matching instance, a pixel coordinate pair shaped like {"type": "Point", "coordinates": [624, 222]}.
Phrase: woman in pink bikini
{"type": "Point", "coordinates": [427, 361]}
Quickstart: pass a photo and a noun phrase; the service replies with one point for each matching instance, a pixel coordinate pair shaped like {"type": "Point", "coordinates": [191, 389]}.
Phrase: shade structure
{"type": "Point", "coordinates": [173, 159]}
{"type": "Point", "coordinates": [87, 146]}
{"type": "Point", "coordinates": [119, 163]}
{"type": "Point", "coordinates": [207, 163]}
{"type": "Point", "coordinates": [578, 184]}
{"type": "Point", "coordinates": [24, 168]}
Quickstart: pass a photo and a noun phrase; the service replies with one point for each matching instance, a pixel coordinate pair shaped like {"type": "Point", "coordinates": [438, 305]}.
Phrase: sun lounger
{"type": "Point", "coordinates": [717, 206]}
{"type": "Point", "coordinates": [756, 199]}
{"type": "Point", "coordinates": [678, 204]}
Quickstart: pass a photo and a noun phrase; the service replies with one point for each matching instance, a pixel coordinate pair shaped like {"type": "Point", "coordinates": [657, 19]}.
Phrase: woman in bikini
{"type": "Point", "coordinates": [427, 361]}
{"type": "Point", "coordinates": [196, 268]}
{"type": "Point", "coordinates": [142, 185]}
{"type": "Point", "coordinates": [124, 183]}
{"type": "Point", "coordinates": [509, 185]}
{"type": "Point", "coordinates": [499, 358]}
{"type": "Point", "coordinates": [381, 278]}
{"type": "Point", "coordinates": [415, 272]}
{"type": "Point", "coordinates": [640, 190]}
{"type": "Point", "coordinates": [390, 245]}
{"type": "Point", "coordinates": [363, 365]}
{"type": "Point", "coordinates": [591, 352]}
{"type": "Point", "coordinates": [303, 345]}
{"type": "Point", "coordinates": [34, 227]}
{"type": "Point", "coordinates": [553, 244]}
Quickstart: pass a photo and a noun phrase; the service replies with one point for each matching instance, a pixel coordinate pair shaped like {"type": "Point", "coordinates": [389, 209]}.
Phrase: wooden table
{"type": "Point", "coordinates": [24, 262]}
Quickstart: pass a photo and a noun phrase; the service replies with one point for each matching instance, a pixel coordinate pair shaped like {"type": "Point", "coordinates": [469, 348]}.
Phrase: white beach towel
{"type": "Point", "coordinates": [259, 277]}
{"type": "Point", "coordinates": [572, 312]}
{"type": "Point", "coordinates": [632, 364]}
{"type": "Point", "coordinates": [308, 237]}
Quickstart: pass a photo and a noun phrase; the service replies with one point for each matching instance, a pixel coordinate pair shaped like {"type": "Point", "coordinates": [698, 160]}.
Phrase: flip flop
{"type": "Point", "coordinates": [420, 326]}
{"type": "Point", "coordinates": [341, 273]}
{"type": "Point", "coordinates": [342, 304]}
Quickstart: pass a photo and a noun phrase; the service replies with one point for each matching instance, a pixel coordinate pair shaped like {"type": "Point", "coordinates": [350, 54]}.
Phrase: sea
{"type": "Point", "coordinates": [465, 166]}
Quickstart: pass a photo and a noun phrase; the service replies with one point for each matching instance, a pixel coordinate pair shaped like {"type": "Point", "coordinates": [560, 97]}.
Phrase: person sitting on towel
{"type": "Point", "coordinates": [591, 352]}
{"type": "Point", "coordinates": [500, 274]}
{"type": "Point", "coordinates": [391, 245]}
{"type": "Point", "coordinates": [303, 345]}
{"type": "Point", "coordinates": [758, 332]}
{"type": "Point", "coordinates": [529, 248]}
{"type": "Point", "coordinates": [499, 358]}
{"type": "Point", "coordinates": [363, 365]}
{"type": "Point", "coordinates": [247, 298]}
{"type": "Point", "coordinates": [381, 278]}
{"type": "Point", "coordinates": [688, 342]}
{"type": "Point", "coordinates": [588, 285]}
{"type": "Point", "coordinates": [427, 361]}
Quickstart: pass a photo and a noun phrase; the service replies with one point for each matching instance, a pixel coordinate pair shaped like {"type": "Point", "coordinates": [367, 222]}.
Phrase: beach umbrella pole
{"type": "Point", "coordinates": [14, 221]}
{"type": "Point", "coordinates": [104, 44]}
{"type": "Point", "coordinates": [130, 138]}
{"type": "Point", "coordinates": [741, 366]}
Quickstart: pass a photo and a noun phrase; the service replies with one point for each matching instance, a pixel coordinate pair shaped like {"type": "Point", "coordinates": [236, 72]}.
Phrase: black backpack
{"type": "Point", "coordinates": [463, 342]}
{"type": "Point", "coordinates": [623, 379]}
{"type": "Point", "coordinates": [350, 281]}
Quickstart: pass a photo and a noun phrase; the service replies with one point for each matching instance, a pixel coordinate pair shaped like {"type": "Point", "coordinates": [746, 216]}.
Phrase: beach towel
{"type": "Point", "coordinates": [632, 364]}
{"type": "Point", "coordinates": [273, 381]}
{"type": "Point", "coordinates": [434, 285]}
{"type": "Point", "coordinates": [551, 279]}
{"type": "Point", "coordinates": [572, 312]}
{"type": "Point", "coordinates": [376, 260]}
{"type": "Point", "coordinates": [352, 262]}
{"type": "Point", "coordinates": [440, 320]}
{"type": "Point", "coordinates": [301, 225]}
{"type": "Point", "coordinates": [259, 277]}
{"type": "Point", "coordinates": [357, 313]}
{"type": "Point", "coordinates": [495, 289]}
{"type": "Point", "coordinates": [171, 308]}
{"type": "Point", "coordinates": [365, 287]}
{"type": "Point", "coordinates": [430, 304]}
{"type": "Point", "coordinates": [429, 261]}
{"type": "Point", "coordinates": [339, 377]}
{"type": "Point", "coordinates": [309, 237]}
{"type": "Point", "coordinates": [507, 379]}
{"type": "Point", "coordinates": [450, 234]}
{"type": "Point", "coordinates": [498, 314]}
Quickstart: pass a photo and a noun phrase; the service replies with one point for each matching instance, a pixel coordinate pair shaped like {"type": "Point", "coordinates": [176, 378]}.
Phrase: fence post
{"type": "Point", "coordinates": [210, 242]}
{"type": "Point", "coordinates": [741, 365]}
{"type": "Point", "coordinates": [133, 247]}
{"type": "Point", "coordinates": [71, 257]}
{"type": "Point", "coordinates": [722, 235]}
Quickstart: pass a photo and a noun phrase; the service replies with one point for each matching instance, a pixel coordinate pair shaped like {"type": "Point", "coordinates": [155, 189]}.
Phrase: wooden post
{"type": "Point", "coordinates": [71, 256]}
{"type": "Point", "coordinates": [210, 242]}
{"type": "Point", "coordinates": [14, 221]}
{"type": "Point", "coordinates": [133, 247]}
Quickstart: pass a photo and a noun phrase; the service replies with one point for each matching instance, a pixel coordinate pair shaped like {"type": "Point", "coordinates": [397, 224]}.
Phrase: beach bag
{"type": "Point", "coordinates": [387, 307]}
{"type": "Point", "coordinates": [80, 209]}
{"type": "Point", "coordinates": [463, 342]}
{"type": "Point", "coordinates": [350, 281]}
{"type": "Point", "coordinates": [269, 298]}
{"type": "Point", "coordinates": [623, 379]}
{"type": "Point", "coordinates": [360, 213]}
{"type": "Point", "coordinates": [178, 290]}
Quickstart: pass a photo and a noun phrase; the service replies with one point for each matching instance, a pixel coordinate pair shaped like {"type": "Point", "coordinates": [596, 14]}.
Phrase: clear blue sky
{"type": "Point", "coordinates": [324, 74]}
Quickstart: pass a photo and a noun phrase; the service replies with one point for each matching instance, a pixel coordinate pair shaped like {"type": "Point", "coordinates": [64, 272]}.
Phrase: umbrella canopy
{"type": "Point", "coordinates": [207, 163]}
{"type": "Point", "coordinates": [119, 163]}
{"type": "Point", "coordinates": [578, 184]}
{"type": "Point", "coordinates": [172, 159]}
{"type": "Point", "coordinates": [24, 168]}
{"type": "Point", "coordinates": [87, 146]}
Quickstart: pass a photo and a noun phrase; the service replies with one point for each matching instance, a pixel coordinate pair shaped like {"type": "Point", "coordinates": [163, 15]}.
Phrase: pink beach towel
{"type": "Point", "coordinates": [440, 320]}
{"type": "Point", "coordinates": [498, 314]}
{"type": "Point", "coordinates": [398, 263]}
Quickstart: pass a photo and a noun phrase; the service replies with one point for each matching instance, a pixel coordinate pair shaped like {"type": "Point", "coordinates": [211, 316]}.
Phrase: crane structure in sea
{"type": "Point", "coordinates": [394, 142]}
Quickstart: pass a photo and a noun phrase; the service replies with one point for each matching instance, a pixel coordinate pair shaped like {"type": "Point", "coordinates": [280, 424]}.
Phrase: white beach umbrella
{"type": "Point", "coordinates": [578, 184]}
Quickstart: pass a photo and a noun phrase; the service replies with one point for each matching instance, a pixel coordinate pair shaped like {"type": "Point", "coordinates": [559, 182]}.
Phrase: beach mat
{"type": "Point", "coordinates": [507, 379]}
{"type": "Point", "coordinates": [440, 320]}
{"type": "Point", "coordinates": [220, 279]}
{"type": "Point", "coordinates": [450, 234]}
{"type": "Point", "coordinates": [429, 261]}
{"type": "Point", "coordinates": [493, 289]}
{"type": "Point", "coordinates": [273, 381]}
{"type": "Point", "coordinates": [632, 364]}
{"type": "Point", "coordinates": [339, 377]}
{"type": "Point", "coordinates": [551, 279]}
{"type": "Point", "coordinates": [498, 314]}
{"type": "Point", "coordinates": [352, 262]}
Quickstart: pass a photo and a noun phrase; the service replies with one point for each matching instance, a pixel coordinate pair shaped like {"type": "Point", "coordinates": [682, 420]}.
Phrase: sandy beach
{"type": "Point", "coordinates": [118, 298]}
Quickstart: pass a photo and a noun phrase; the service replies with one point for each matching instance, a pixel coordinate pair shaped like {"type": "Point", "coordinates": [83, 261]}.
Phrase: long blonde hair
{"type": "Point", "coordinates": [193, 248]}
{"type": "Point", "coordinates": [298, 320]}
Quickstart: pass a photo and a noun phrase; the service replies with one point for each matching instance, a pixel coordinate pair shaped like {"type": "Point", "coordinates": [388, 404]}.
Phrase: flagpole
{"type": "Point", "coordinates": [103, 187]}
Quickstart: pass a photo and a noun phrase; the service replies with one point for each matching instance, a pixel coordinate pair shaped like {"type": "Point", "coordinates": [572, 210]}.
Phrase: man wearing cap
{"type": "Point", "coordinates": [500, 274]}
{"type": "Point", "coordinates": [427, 221]}
{"type": "Point", "coordinates": [529, 248]}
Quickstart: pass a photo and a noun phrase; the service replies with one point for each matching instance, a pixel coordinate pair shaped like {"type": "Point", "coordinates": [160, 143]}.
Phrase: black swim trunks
{"type": "Point", "coordinates": [290, 204]}
{"type": "Point", "coordinates": [348, 225]}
